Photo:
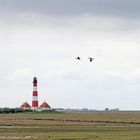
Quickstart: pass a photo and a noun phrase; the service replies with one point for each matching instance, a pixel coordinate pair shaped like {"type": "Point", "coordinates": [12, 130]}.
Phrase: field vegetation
{"type": "Point", "coordinates": [71, 126]}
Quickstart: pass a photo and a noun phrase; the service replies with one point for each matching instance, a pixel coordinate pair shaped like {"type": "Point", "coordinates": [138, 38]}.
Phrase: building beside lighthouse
{"type": "Point", "coordinates": [25, 106]}
{"type": "Point", "coordinates": [44, 106]}
{"type": "Point", "coordinates": [35, 105]}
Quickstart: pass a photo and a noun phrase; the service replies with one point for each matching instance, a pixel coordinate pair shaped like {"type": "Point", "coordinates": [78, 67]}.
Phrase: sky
{"type": "Point", "coordinates": [42, 38]}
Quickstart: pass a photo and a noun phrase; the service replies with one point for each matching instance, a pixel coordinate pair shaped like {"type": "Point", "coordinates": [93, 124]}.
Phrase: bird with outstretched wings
{"type": "Point", "coordinates": [91, 59]}
{"type": "Point", "coordinates": [78, 58]}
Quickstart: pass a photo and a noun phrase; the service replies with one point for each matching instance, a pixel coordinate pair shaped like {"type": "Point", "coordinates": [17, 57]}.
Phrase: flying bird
{"type": "Point", "coordinates": [91, 59]}
{"type": "Point", "coordinates": [78, 58]}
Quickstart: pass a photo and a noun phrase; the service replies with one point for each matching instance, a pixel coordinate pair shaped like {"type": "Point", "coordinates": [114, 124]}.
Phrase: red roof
{"type": "Point", "coordinates": [44, 105]}
{"type": "Point", "coordinates": [25, 105]}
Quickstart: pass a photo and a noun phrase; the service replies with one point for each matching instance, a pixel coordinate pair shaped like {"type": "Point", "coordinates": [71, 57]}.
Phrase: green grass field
{"type": "Point", "coordinates": [71, 126]}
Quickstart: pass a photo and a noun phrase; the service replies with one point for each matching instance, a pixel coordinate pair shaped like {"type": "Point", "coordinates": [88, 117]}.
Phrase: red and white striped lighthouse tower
{"type": "Point", "coordinates": [35, 95]}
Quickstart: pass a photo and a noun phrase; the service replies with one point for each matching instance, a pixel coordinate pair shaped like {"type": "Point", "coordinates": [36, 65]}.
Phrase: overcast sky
{"type": "Point", "coordinates": [42, 38]}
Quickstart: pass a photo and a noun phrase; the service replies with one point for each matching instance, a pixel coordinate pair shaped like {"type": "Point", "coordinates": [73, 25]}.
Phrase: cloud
{"type": "Point", "coordinates": [22, 72]}
{"type": "Point", "coordinates": [115, 8]}
{"type": "Point", "coordinates": [42, 38]}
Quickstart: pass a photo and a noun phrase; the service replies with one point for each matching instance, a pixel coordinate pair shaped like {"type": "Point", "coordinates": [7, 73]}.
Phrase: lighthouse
{"type": "Point", "coordinates": [35, 95]}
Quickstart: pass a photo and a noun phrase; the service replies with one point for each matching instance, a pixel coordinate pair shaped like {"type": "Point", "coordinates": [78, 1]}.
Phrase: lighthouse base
{"type": "Point", "coordinates": [35, 108]}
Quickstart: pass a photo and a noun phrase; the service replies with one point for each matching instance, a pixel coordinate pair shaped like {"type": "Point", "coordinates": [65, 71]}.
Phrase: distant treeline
{"type": "Point", "coordinates": [12, 110]}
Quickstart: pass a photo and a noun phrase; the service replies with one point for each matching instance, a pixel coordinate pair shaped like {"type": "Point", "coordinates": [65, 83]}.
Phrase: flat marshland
{"type": "Point", "coordinates": [71, 126]}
